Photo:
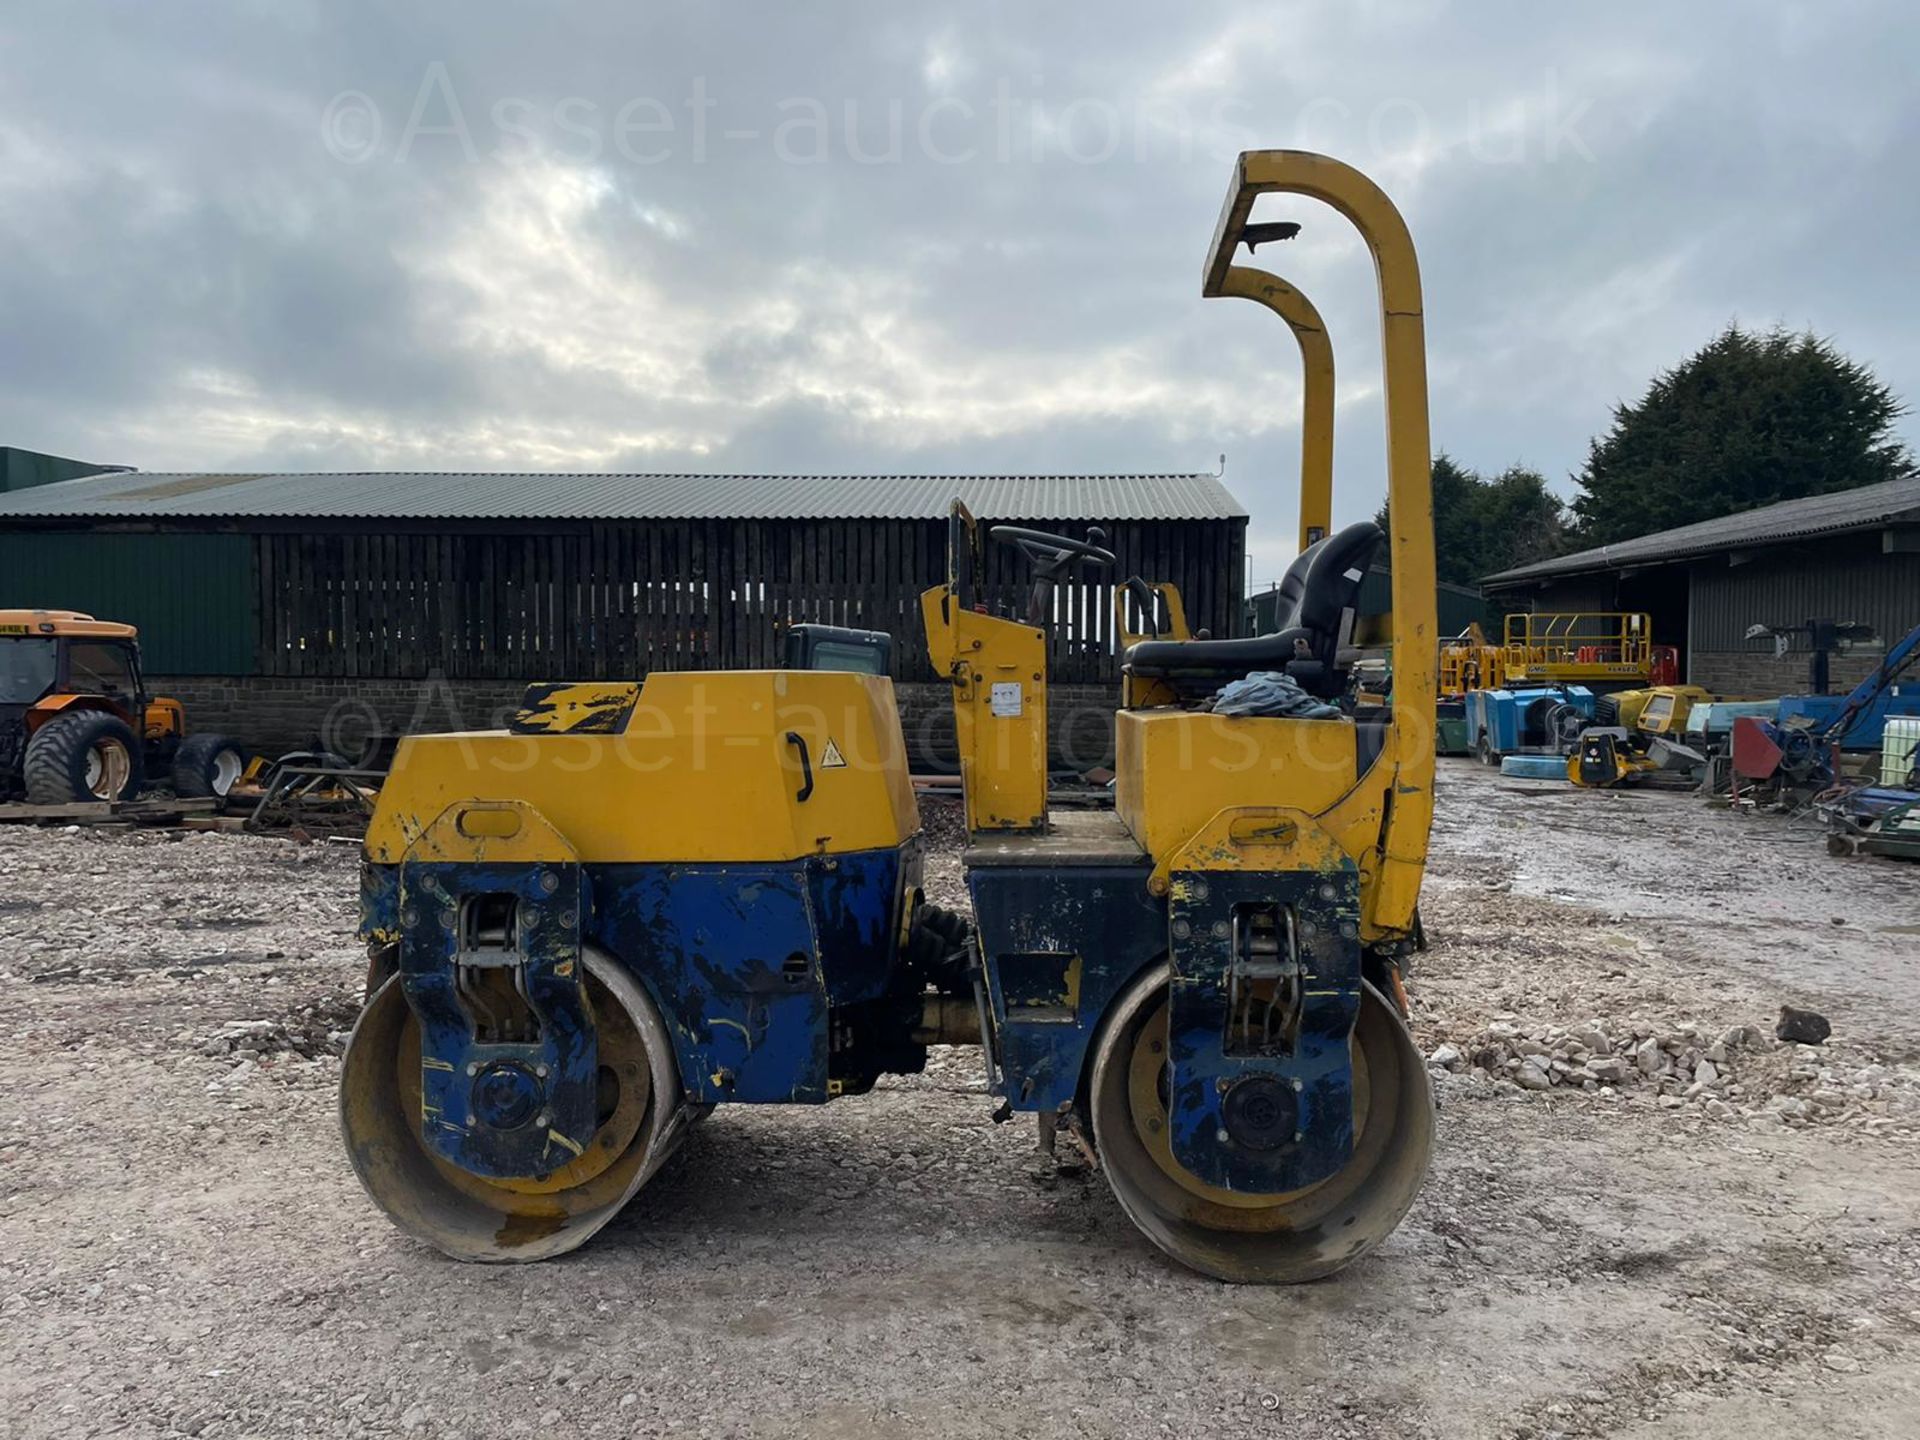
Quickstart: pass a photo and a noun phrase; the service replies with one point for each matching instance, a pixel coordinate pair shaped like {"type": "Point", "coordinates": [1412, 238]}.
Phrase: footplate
{"type": "Point", "coordinates": [492, 902]}
{"type": "Point", "coordinates": [1263, 920]}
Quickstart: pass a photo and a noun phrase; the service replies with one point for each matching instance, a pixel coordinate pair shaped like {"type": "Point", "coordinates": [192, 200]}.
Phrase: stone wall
{"type": "Point", "coordinates": [1757, 675]}
{"type": "Point", "coordinates": [274, 716]}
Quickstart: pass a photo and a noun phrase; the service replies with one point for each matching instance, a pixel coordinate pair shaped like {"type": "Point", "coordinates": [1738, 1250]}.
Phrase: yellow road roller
{"type": "Point", "coordinates": [641, 901]}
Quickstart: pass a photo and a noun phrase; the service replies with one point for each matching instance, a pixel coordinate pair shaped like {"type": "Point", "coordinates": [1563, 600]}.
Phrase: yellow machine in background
{"type": "Point", "coordinates": [1637, 737]}
{"type": "Point", "coordinates": [1584, 648]}
{"type": "Point", "coordinates": [638, 903]}
{"type": "Point", "coordinates": [1657, 710]}
{"type": "Point", "coordinates": [78, 724]}
{"type": "Point", "coordinates": [1470, 661]}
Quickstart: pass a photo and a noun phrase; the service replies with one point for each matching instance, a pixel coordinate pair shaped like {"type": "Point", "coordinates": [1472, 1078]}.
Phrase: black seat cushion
{"type": "Point", "coordinates": [1231, 658]}
{"type": "Point", "coordinates": [1320, 587]}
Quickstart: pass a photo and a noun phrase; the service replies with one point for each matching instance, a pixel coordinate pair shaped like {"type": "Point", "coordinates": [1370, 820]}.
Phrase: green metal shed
{"type": "Point", "coordinates": [191, 595]}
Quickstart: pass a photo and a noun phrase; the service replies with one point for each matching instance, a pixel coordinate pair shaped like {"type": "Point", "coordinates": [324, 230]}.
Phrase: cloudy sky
{"type": "Point", "coordinates": [878, 236]}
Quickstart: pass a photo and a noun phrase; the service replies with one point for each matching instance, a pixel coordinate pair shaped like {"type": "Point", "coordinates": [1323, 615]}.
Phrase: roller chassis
{"type": "Point", "coordinates": [586, 931]}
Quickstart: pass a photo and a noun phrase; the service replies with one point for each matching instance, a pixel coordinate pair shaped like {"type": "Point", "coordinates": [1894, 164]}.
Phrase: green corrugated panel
{"type": "Point", "coordinates": [190, 595]}
{"type": "Point", "coordinates": [23, 469]}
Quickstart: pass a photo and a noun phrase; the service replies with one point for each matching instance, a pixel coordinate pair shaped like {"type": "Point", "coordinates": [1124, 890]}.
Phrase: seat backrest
{"type": "Point", "coordinates": [1286, 607]}
{"type": "Point", "coordinates": [1330, 585]}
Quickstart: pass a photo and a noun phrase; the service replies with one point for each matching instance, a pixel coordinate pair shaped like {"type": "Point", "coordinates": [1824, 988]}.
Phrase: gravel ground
{"type": "Point", "coordinates": [1614, 1241]}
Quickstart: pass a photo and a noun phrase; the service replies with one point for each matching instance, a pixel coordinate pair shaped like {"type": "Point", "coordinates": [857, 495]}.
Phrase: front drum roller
{"type": "Point", "coordinates": [538, 1217]}
{"type": "Point", "coordinates": [1260, 1239]}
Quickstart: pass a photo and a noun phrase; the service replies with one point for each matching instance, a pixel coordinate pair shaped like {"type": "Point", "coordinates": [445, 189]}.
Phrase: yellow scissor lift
{"type": "Point", "coordinates": [1603, 649]}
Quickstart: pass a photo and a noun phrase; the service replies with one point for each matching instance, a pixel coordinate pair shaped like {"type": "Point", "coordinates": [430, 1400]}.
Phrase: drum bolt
{"type": "Point", "coordinates": [1327, 892]}
{"type": "Point", "coordinates": [1153, 1123]}
{"type": "Point", "coordinates": [1348, 929]}
{"type": "Point", "coordinates": [1223, 1137]}
{"type": "Point", "coordinates": [1199, 889]}
{"type": "Point", "coordinates": [1298, 1083]}
{"type": "Point", "coordinates": [1221, 930]}
{"type": "Point", "coordinates": [1222, 1084]}
{"type": "Point", "coordinates": [472, 1121]}
{"type": "Point", "coordinates": [541, 1071]}
{"type": "Point", "coordinates": [549, 882]}
{"type": "Point", "coordinates": [1298, 1136]}
{"type": "Point", "coordinates": [409, 916]}
{"type": "Point", "coordinates": [473, 1067]}
{"type": "Point", "coordinates": [569, 918]}
{"type": "Point", "coordinates": [543, 1118]}
{"type": "Point", "coordinates": [1181, 930]}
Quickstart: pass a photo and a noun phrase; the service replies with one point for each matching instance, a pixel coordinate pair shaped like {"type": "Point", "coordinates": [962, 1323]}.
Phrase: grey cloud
{"type": "Point", "coordinates": [192, 279]}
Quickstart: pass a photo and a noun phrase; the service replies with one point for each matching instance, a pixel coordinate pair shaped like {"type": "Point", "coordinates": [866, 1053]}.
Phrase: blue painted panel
{"type": "Point", "coordinates": [744, 961]}
{"type": "Point", "coordinates": [713, 944]}
{"type": "Point", "coordinates": [1501, 715]}
{"type": "Point", "coordinates": [501, 1105]}
{"type": "Point", "coordinates": [1867, 728]}
{"type": "Point", "coordinates": [1100, 915]}
{"type": "Point", "coordinates": [1303, 1087]}
{"type": "Point", "coordinates": [857, 900]}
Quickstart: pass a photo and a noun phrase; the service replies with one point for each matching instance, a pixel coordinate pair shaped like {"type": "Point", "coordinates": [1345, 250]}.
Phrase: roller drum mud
{"type": "Point", "coordinates": [537, 1217]}
{"type": "Point", "coordinates": [1261, 1239]}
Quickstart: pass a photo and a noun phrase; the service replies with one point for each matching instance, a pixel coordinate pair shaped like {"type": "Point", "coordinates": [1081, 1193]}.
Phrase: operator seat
{"type": "Point", "coordinates": [1320, 587]}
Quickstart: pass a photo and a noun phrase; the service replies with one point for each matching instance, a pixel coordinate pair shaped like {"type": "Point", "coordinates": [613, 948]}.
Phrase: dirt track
{"type": "Point", "coordinates": [184, 1250]}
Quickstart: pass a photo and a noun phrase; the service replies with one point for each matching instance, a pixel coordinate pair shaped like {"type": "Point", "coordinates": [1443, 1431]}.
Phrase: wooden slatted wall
{"type": "Point", "coordinates": [606, 600]}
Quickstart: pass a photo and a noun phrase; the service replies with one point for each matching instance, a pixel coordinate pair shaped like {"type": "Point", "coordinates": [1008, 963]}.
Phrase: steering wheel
{"type": "Point", "coordinates": [1051, 554]}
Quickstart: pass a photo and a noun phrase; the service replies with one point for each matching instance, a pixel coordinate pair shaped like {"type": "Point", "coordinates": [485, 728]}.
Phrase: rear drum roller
{"type": "Point", "coordinates": [473, 1218]}
{"type": "Point", "coordinates": [1260, 1239]}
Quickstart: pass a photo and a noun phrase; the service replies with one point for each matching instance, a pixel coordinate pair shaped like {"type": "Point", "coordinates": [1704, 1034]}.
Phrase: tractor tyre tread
{"type": "Point", "coordinates": [193, 764]}
{"type": "Point", "coordinates": [55, 767]}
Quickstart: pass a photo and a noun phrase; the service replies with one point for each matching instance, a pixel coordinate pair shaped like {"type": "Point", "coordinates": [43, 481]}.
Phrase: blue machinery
{"type": "Point", "coordinates": [1799, 743]}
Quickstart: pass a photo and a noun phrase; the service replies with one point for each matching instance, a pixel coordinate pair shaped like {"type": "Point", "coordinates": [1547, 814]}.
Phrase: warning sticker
{"type": "Point", "coordinates": [831, 758]}
{"type": "Point", "coordinates": [1007, 700]}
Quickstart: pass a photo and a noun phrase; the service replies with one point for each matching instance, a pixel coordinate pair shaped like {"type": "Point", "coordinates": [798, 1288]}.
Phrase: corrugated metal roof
{"type": "Point", "coordinates": [500, 496]}
{"type": "Point", "coordinates": [1858, 509]}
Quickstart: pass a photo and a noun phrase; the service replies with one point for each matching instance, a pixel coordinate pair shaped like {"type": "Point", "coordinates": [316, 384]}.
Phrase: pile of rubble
{"type": "Point", "coordinates": [1738, 1073]}
{"type": "Point", "coordinates": [318, 1028]}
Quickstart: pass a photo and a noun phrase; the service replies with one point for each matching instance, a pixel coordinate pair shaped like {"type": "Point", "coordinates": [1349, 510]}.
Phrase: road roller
{"type": "Point", "coordinates": [639, 901]}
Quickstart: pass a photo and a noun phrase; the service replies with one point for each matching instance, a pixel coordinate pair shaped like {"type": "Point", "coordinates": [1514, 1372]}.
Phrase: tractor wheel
{"type": "Point", "coordinates": [82, 756]}
{"type": "Point", "coordinates": [1488, 755]}
{"type": "Point", "coordinates": [1262, 1239]}
{"type": "Point", "coordinates": [207, 765]}
{"type": "Point", "coordinates": [473, 1218]}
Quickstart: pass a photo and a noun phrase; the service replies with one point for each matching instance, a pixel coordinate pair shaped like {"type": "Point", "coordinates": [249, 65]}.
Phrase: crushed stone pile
{"type": "Point", "coordinates": [1737, 1073]}
{"type": "Point", "coordinates": [318, 1028]}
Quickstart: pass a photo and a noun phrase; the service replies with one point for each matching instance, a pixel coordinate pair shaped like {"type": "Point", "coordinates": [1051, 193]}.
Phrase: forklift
{"type": "Point", "coordinates": [641, 901]}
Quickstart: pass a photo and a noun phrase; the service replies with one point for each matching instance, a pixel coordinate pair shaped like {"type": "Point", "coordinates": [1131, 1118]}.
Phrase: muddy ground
{"type": "Point", "coordinates": [1635, 1246]}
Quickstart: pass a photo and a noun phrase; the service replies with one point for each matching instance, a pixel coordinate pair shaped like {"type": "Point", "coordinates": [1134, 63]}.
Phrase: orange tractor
{"type": "Point", "coordinates": [77, 723]}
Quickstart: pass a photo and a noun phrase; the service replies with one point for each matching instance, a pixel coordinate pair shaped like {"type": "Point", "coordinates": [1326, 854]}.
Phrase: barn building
{"type": "Point", "coordinates": [1853, 555]}
{"type": "Point", "coordinates": [293, 607]}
